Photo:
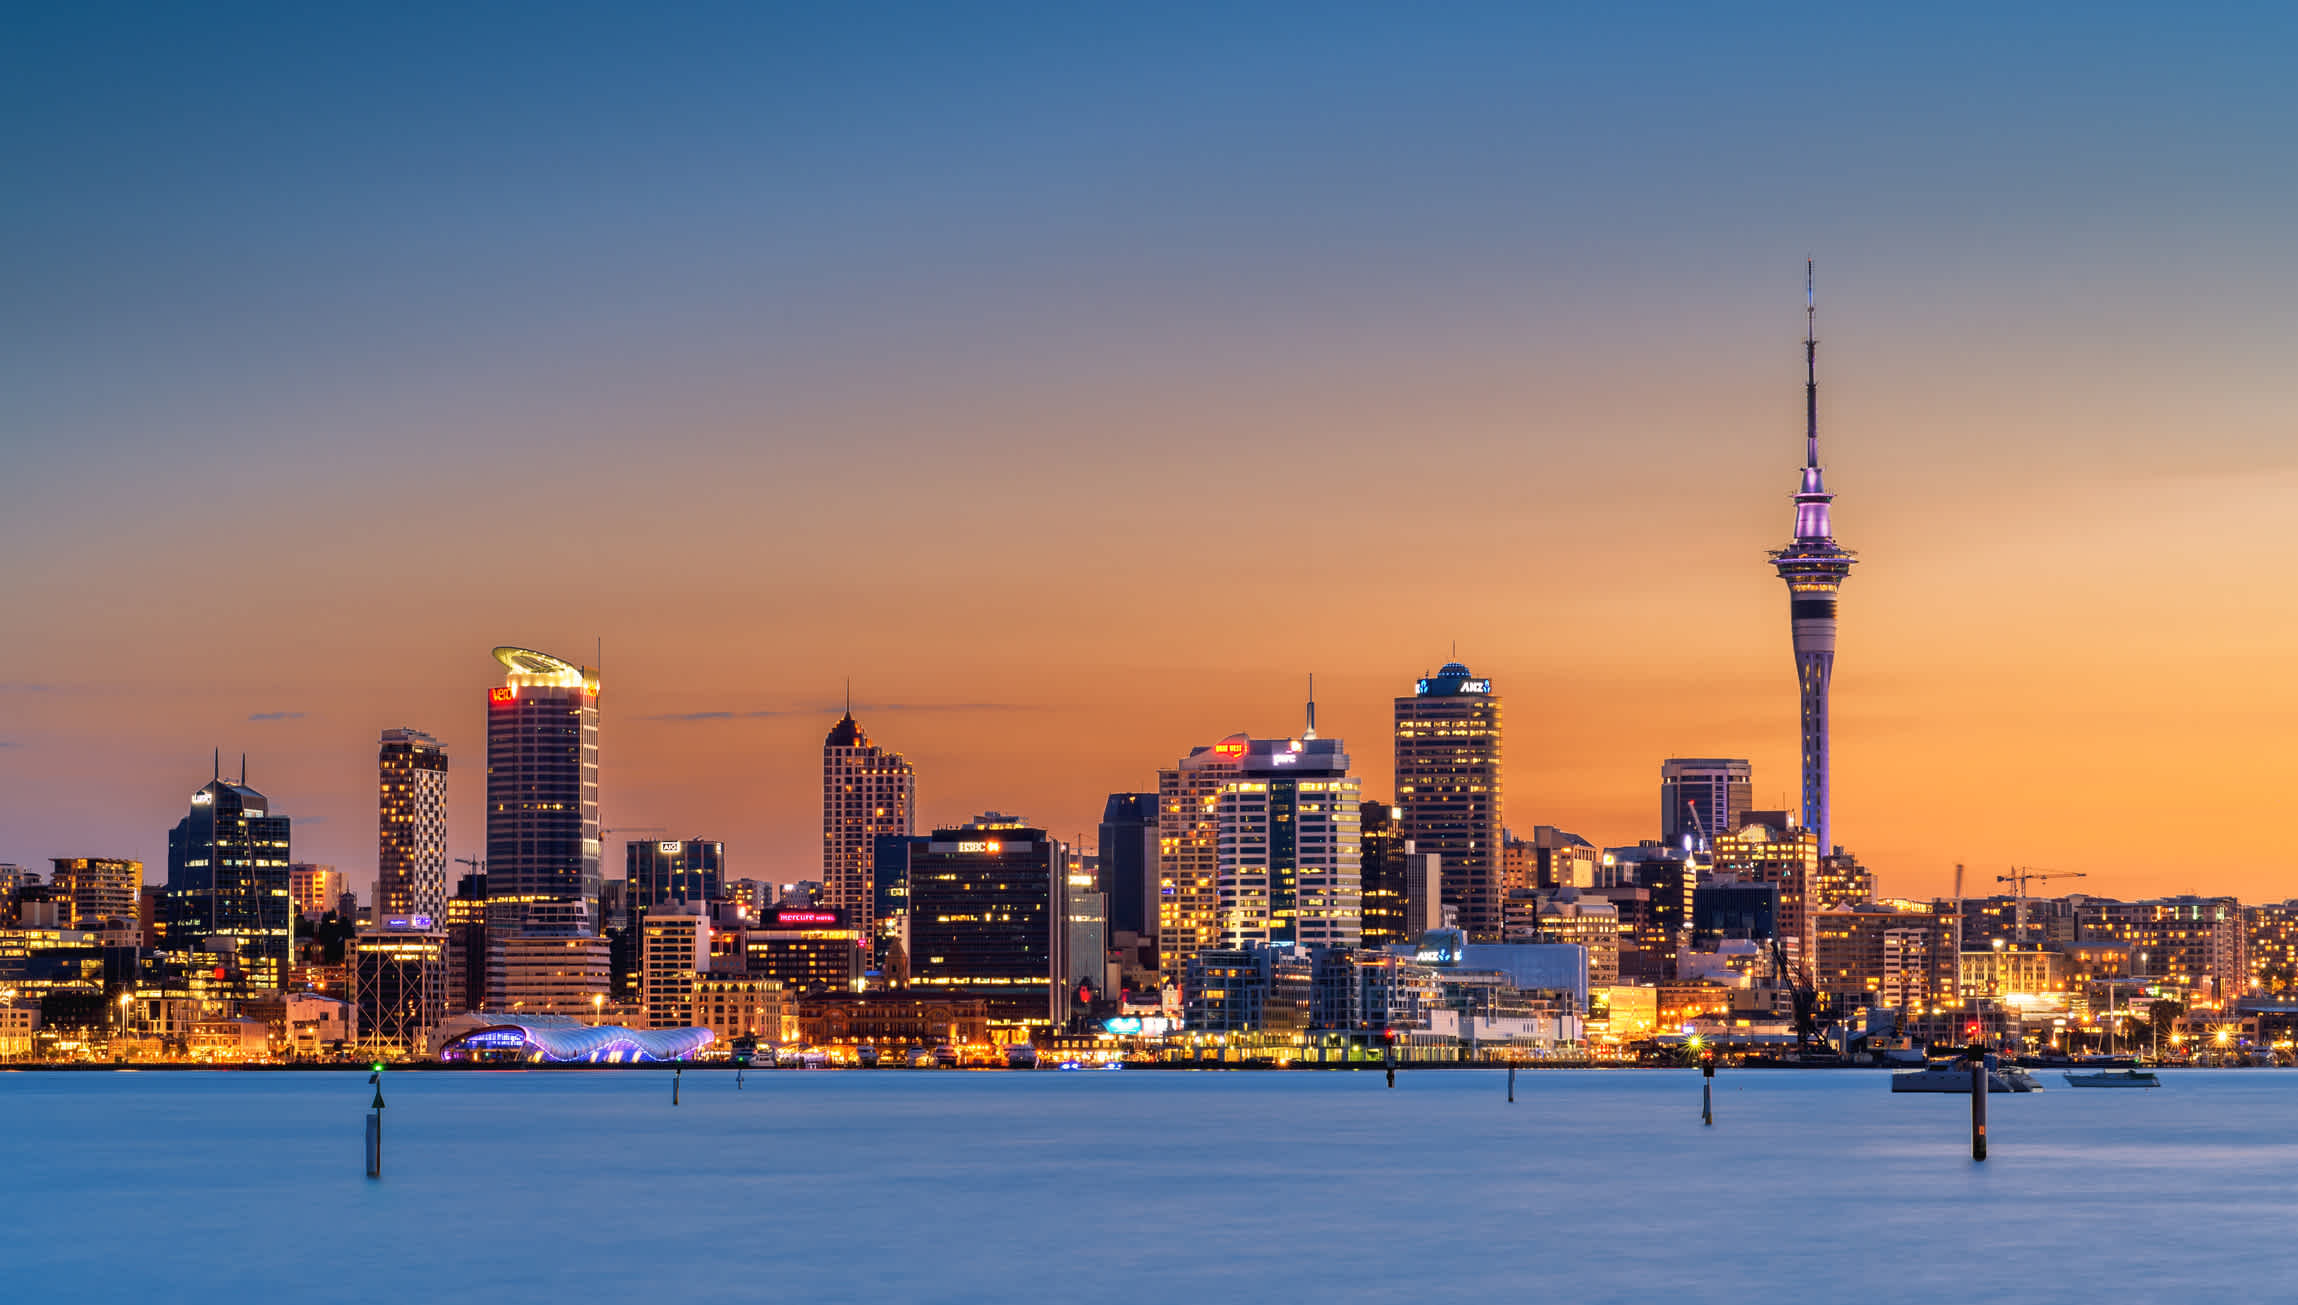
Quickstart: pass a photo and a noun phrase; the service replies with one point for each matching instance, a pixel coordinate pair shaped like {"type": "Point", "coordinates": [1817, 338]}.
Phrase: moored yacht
{"type": "Point", "coordinates": [1954, 1076]}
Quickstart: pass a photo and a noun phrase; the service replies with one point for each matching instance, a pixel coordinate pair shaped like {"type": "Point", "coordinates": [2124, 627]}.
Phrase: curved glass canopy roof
{"type": "Point", "coordinates": [564, 1039]}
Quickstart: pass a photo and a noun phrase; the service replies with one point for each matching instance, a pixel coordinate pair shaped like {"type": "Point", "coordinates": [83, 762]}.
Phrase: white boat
{"type": "Point", "coordinates": [2114, 1078]}
{"type": "Point", "coordinates": [1954, 1076]}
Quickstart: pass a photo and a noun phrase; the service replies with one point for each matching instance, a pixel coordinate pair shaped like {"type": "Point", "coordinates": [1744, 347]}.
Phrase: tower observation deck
{"type": "Point", "coordinates": [1814, 566]}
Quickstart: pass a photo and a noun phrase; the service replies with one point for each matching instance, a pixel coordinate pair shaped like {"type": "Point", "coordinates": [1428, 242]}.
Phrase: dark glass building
{"type": "Point", "coordinates": [987, 920]}
{"type": "Point", "coordinates": [1128, 842]}
{"type": "Point", "coordinates": [671, 871]}
{"type": "Point", "coordinates": [227, 877]}
{"type": "Point", "coordinates": [1382, 876]}
{"type": "Point", "coordinates": [890, 877]}
{"type": "Point", "coordinates": [1738, 911]}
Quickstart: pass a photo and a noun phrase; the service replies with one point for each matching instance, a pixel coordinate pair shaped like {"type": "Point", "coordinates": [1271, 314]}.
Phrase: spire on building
{"type": "Point", "coordinates": [1810, 370]}
{"type": "Point", "coordinates": [1311, 732]}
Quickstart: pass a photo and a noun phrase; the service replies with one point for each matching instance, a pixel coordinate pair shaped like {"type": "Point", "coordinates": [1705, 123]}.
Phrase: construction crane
{"type": "Point", "coordinates": [1802, 993]}
{"type": "Point", "coordinates": [2018, 880]}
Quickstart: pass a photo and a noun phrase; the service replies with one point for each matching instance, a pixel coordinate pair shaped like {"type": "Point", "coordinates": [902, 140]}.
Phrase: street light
{"type": "Point", "coordinates": [597, 1007]}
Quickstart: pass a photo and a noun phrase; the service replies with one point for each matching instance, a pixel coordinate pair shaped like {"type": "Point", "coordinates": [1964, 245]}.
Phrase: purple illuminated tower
{"type": "Point", "coordinates": [1814, 566]}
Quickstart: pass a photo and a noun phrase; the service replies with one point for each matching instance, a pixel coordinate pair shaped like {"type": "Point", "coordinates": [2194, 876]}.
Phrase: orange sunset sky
{"type": "Point", "coordinates": [1079, 397]}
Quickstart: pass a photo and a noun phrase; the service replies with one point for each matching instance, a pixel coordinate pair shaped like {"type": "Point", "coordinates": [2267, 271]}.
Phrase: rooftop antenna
{"type": "Point", "coordinates": [218, 774]}
{"type": "Point", "coordinates": [243, 770]}
{"type": "Point", "coordinates": [1312, 730]}
{"type": "Point", "coordinates": [1810, 370]}
{"type": "Point", "coordinates": [849, 695]}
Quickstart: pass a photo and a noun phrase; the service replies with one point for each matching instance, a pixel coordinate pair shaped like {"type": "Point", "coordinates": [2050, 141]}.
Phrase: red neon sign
{"type": "Point", "coordinates": [503, 694]}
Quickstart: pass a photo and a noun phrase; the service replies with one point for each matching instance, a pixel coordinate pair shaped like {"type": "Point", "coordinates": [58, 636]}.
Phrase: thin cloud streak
{"type": "Point", "coordinates": [277, 715]}
{"type": "Point", "coordinates": [870, 708]}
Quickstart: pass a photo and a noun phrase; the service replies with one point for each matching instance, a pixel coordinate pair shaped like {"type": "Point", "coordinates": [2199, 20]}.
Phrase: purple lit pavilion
{"type": "Point", "coordinates": [1814, 566]}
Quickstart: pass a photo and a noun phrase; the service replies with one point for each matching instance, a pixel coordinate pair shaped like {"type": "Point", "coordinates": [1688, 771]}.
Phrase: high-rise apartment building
{"type": "Point", "coordinates": [866, 791]}
{"type": "Point", "coordinates": [1128, 843]}
{"type": "Point", "coordinates": [1288, 845]}
{"type": "Point", "coordinates": [2194, 943]}
{"type": "Point", "coordinates": [1701, 797]}
{"type": "Point", "coordinates": [411, 826]}
{"type": "Point", "coordinates": [2270, 947]}
{"type": "Point", "coordinates": [1814, 567]}
{"type": "Point", "coordinates": [1188, 854]}
{"type": "Point", "coordinates": [1448, 786]}
{"type": "Point", "coordinates": [227, 878]}
{"type": "Point", "coordinates": [94, 889]}
{"type": "Point", "coordinates": [1877, 955]}
{"type": "Point", "coordinates": [542, 783]}
{"type": "Point", "coordinates": [668, 870]}
{"type": "Point", "coordinates": [317, 889]}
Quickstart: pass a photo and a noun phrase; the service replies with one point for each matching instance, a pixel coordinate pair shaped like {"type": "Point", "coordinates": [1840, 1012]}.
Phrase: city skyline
{"type": "Point", "coordinates": [1508, 307]}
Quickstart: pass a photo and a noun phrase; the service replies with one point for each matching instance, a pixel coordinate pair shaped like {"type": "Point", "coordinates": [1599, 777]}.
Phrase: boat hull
{"type": "Point", "coordinates": [2141, 1081]}
{"type": "Point", "coordinates": [1952, 1083]}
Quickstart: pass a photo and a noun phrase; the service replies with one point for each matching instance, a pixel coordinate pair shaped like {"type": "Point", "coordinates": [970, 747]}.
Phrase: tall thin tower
{"type": "Point", "coordinates": [1813, 565]}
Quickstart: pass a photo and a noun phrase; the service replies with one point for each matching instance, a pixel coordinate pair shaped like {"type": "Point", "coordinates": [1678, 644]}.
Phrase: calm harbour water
{"type": "Point", "coordinates": [1139, 1186]}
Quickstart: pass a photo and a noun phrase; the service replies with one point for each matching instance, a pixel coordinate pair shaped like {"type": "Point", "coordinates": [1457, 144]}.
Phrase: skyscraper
{"type": "Point", "coordinates": [1448, 786]}
{"type": "Point", "coordinates": [1128, 846]}
{"type": "Point", "coordinates": [411, 838]}
{"type": "Point", "coordinates": [866, 791]}
{"type": "Point", "coordinates": [227, 878]}
{"type": "Point", "coordinates": [1188, 854]}
{"type": "Point", "coordinates": [1289, 845]}
{"type": "Point", "coordinates": [542, 782]}
{"type": "Point", "coordinates": [1814, 566]}
{"type": "Point", "coordinates": [1380, 876]}
{"type": "Point", "coordinates": [1701, 797]}
{"type": "Point", "coordinates": [987, 908]}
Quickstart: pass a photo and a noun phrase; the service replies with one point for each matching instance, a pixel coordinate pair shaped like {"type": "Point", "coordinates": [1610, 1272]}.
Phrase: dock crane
{"type": "Point", "coordinates": [2018, 880]}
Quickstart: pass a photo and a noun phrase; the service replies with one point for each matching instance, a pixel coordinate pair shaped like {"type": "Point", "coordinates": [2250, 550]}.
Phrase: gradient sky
{"type": "Point", "coordinates": [1080, 378]}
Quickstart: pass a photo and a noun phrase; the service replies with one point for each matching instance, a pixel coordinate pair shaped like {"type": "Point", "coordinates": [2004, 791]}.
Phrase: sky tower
{"type": "Point", "coordinates": [1814, 566]}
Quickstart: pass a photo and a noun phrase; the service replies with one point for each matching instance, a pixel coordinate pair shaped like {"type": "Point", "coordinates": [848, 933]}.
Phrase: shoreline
{"type": "Point", "coordinates": [440, 1067]}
